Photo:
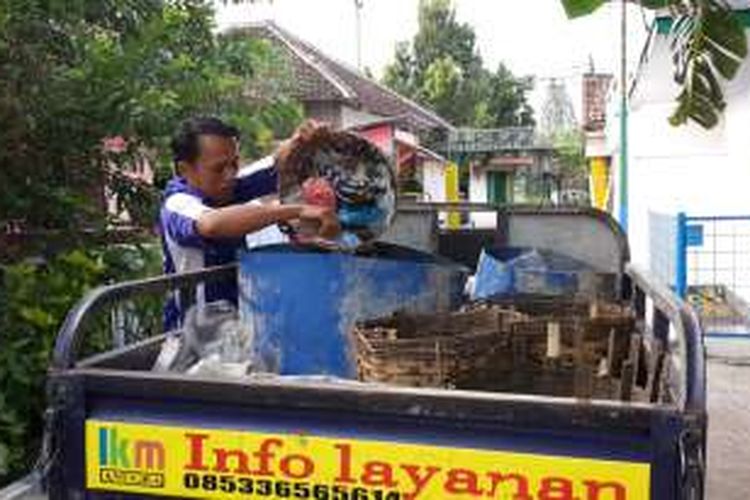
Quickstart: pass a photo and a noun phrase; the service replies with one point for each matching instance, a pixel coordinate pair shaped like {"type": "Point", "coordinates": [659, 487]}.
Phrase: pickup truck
{"type": "Point", "coordinates": [116, 429]}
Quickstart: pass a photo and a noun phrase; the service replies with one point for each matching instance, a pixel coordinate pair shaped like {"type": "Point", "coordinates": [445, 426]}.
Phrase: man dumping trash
{"type": "Point", "coordinates": [206, 212]}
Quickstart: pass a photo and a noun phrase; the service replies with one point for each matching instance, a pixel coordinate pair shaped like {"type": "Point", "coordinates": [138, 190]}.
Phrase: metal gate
{"type": "Point", "coordinates": [706, 259]}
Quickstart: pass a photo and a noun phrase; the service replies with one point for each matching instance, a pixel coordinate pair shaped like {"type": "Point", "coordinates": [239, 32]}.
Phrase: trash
{"type": "Point", "coordinates": [433, 350]}
{"type": "Point", "coordinates": [214, 366]}
{"type": "Point", "coordinates": [169, 350]}
{"type": "Point", "coordinates": [513, 271]}
{"type": "Point", "coordinates": [213, 340]}
{"type": "Point", "coordinates": [346, 172]}
{"type": "Point", "coordinates": [318, 191]}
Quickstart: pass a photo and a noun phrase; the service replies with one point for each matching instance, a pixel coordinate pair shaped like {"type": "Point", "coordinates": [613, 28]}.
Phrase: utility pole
{"type": "Point", "coordinates": [358, 4]}
{"type": "Point", "coordinates": [623, 195]}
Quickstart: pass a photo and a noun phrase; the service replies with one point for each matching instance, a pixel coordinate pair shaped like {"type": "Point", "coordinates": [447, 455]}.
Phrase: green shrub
{"type": "Point", "coordinates": [34, 299]}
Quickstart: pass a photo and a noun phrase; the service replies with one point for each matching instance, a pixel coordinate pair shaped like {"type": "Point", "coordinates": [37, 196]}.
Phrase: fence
{"type": "Point", "coordinates": [664, 248]}
{"type": "Point", "coordinates": [706, 259]}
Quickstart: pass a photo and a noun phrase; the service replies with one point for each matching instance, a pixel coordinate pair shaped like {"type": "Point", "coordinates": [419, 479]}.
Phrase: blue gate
{"type": "Point", "coordinates": [713, 271]}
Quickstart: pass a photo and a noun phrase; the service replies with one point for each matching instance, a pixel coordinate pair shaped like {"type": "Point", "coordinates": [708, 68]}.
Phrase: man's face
{"type": "Point", "coordinates": [214, 172]}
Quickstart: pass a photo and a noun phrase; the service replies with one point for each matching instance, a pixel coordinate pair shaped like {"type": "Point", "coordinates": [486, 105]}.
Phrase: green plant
{"type": "Point", "coordinates": [709, 44]}
{"type": "Point", "coordinates": [73, 74]}
{"type": "Point", "coordinates": [35, 299]}
{"type": "Point", "coordinates": [441, 68]}
{"type": "Point", "coordinates": [570, 159]}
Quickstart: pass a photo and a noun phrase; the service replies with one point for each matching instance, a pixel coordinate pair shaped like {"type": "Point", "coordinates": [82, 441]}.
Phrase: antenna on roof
{"type": "Point", "coordinates": [358, 4]}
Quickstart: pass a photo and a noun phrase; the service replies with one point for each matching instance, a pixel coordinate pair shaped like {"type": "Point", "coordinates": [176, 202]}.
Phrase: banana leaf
{"type": "Point", "coordinates": [708, 43]}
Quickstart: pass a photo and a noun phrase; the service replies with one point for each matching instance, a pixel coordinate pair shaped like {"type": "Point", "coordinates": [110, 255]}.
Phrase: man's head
{"type": "Point", "coordinates": [206, 152]}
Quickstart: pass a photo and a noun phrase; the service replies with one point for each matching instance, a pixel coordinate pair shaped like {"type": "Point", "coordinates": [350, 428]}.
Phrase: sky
{"type": "Point", "coordinates": [532, 37]}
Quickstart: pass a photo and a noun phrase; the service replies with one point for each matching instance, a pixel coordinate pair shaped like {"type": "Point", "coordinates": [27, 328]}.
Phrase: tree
{"type": "Point", "coordinates": [709, 44]}
{"type": "Point", "coordinates": [75, 73]}
{"type": "Point", "coordinates": [570, 159]}
{"type": "Point", "coordinates": [503, 100]}
{"type": "Point", "coordinates": [87, 86]}
{"type": "Point", "coordinates": [442, 69]}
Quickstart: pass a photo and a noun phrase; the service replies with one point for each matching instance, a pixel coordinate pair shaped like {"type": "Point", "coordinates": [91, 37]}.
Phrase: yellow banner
{"type": "Point", "coordinates": [212, 463]}
{"type": "Point", "coordinates": [599, 183]}
{"type": "Point", "coordinates": [452, 194]}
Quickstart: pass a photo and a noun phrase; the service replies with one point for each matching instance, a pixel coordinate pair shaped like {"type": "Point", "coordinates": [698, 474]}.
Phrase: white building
{"type": "Point", "coordinates": [510, 165]}
{"type": "Point", "coordinates": [679, 169]}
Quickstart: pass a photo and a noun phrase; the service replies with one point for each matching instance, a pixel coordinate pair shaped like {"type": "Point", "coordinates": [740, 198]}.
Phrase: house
{"type": "Point", "coordinates": [686, 208]}
{"type": "Point", "coordinates": [336, 93]}
{"type": "Point", "coordinates": [506, 165]}
{"type": "Point", "coordinates": [679, 169]}
{"type": "Point", "coordinates": [331, 91]}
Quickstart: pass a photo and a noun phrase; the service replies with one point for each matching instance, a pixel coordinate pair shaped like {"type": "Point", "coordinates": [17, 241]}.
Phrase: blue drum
{"type": "Point", "coordinates": [302, 303]}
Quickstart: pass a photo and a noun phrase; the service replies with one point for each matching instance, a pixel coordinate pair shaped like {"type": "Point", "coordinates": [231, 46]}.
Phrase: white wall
{"type": "Point", "coordinates": [433, 181]}
{"type": "Point", "coordinates": [690, 169]}
{"type": "Point", "coordinates": [478, 194]}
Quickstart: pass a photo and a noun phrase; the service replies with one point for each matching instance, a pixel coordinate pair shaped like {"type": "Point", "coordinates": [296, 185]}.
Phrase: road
{"type": "Point", "coordinates": [729, 420]}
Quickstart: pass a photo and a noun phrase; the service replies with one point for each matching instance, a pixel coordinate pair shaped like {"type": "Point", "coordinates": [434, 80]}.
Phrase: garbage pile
{"type": "Point", "coordinates": [535, 322]}
{"type": "Point", "coordinates": [531, 315]}
{"type": "Point", "coordinates": [343, 171]}
{"type": "Point", "coordinates": [212, 342]}
{"type": "Point", "coordinates": [514, 271]}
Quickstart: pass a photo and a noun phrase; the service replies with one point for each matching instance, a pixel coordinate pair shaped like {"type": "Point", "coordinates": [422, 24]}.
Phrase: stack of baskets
{"type": "Point", "coordinates": [532, 345]}
{"type": "Point", "coordinates": [432, 350]}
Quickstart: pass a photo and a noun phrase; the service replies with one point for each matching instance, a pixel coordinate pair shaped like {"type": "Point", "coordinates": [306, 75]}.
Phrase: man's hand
{"type": "Point", "coordinates": [323, 219]}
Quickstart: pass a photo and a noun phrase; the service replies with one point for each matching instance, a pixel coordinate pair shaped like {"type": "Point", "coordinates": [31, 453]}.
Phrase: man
{"type": "Point", "coordinates": [206, 213]}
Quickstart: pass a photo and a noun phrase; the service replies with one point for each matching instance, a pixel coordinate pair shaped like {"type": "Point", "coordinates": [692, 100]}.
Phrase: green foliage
{"type": "Point", "coordinates": [709, 44]}
{"type": "Point", "coordinates": [577, 8]}
{"type": "Point", "coordinates": [504, 101]}
{"type": "Point", "coordinates": [707, 49]}
{"type": "Point", "coordinates": [72, 74]}
{"type": "Point", "coordinates": [35, 298]}
{"type": "Point", "coordinates": [570, 158]}
{"type": "Point", "coordinates": [75, 73]}
{"type": "Point", "coordinates": [442, 69]}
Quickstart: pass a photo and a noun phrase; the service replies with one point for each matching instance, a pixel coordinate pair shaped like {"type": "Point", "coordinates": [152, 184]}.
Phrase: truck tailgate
{"type": "Point", "coordinates": [149, 434]}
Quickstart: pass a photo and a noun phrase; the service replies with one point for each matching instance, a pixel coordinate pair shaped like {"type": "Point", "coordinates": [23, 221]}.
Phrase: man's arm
{"type": "Point", "coordinates": [256, 180]}
{"type": "Point", "coordinates": [238, 220]}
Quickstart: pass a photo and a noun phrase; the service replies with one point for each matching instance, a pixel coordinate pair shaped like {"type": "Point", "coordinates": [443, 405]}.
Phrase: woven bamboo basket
{"type": "Point", "coordinates": [432, 351]}
{"type": "Point", "coordinates": [573, 349]}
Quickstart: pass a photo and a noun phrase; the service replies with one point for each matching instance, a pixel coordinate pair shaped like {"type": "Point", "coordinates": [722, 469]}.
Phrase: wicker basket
{"type": "Point", "coordinates": [432, 351]}
{"type": "Point", "coordinates": [574, 349]}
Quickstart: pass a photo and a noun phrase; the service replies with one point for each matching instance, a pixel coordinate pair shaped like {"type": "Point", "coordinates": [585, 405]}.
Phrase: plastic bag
{"type": "Point", "coordinates": [514, 271]}
{"type": "Point", "coordinates": [212, 335]}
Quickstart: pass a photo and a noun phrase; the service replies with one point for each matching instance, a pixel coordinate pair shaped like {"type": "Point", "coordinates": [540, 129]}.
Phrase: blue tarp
{"type": "Point", "coordinates": [513, 271]}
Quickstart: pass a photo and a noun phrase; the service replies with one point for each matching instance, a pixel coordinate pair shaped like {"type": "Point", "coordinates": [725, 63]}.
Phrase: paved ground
{"type": "Point", "coordinates": [729, 420]}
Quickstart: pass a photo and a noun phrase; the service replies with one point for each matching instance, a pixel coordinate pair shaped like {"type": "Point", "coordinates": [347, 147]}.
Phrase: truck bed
{"type": "Point", "coordinates": [116, 428]}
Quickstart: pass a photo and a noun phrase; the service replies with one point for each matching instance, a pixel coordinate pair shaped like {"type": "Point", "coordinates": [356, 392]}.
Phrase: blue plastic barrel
{"type": "Point", "coordinates": [301, 304]}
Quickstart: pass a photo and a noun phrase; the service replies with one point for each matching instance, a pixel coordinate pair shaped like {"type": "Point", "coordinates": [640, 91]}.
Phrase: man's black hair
{"type": "Point", "coordinates": [185, 146]}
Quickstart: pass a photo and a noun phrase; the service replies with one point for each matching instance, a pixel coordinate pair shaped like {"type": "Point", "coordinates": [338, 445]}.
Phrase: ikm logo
{"type": "Point", "coordinates": [117, 452]}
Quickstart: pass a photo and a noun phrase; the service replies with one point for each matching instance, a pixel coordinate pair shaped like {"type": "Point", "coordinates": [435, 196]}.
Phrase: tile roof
{"type": "Point", "coordinates": [318, 77]}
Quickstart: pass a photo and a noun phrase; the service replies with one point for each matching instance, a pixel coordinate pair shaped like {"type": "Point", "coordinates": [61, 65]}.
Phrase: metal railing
{"type": "Point", "coordinates": [713, 271]}
{"type": "Point", "coordinates": [706, 260]}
